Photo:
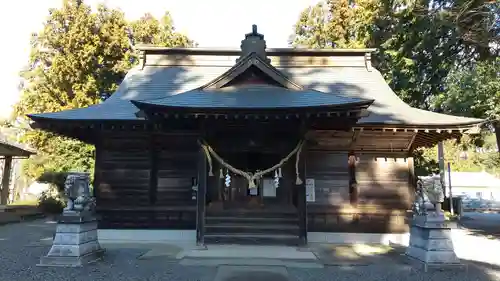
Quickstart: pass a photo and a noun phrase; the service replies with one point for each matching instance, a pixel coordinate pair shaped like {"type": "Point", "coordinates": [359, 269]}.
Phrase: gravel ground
{"type": "Point", "coordinates": [21, 250]}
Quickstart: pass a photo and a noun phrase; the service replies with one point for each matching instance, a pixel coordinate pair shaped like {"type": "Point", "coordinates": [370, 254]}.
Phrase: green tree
{"type": "Point", "coordinates": [77, 57]}
{"type": "Point", "coordinates": [474, 92]}
{"type": "Point", "coordinates": [335, 24]}
{"type": "Point", "coordinates": [149, 30]}
{"type": "Point", "coordinates": [418, 42]}
{"type": "Point", "coordinates": [464, 156]}
{"type": "Point", "coordinates": [312, 28]}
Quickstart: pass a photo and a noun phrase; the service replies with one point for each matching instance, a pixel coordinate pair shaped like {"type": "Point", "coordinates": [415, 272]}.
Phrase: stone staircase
{"type": "Point", "coordinates": [252, 227]}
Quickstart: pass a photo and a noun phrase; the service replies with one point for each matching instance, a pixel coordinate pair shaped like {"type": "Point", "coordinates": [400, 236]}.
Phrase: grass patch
{"type": "Point", "coordinates": [370, 249]}
{"type": "Point", "coordinates": [449, 217]}
{"type": "Point", "coordinates": [29, 202]}
{"type": "Point", "coordinates": [356, 251]}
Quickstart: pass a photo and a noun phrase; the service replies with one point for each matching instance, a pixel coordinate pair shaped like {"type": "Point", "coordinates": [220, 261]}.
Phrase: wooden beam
{"type": "Point", "coordinates": [411, 141]}
{"type": "Point", "coordinates": [355, 135]}
{"type": "Point", "coordinates": [7, 167]}
{"type": "Point", "coordinates": [201, 198]}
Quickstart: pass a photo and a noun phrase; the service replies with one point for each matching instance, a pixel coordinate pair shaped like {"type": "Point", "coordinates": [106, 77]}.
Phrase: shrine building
{"type": "Point", "coordinates": [253, 145]}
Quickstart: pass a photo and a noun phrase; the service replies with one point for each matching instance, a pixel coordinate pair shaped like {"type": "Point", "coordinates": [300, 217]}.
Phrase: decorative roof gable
{"type": "Point", "coordinates": [253, 66]}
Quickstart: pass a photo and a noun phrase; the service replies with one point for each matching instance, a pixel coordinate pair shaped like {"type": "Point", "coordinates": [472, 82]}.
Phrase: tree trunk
{"type": "Point", "coordinates": [497, 134]}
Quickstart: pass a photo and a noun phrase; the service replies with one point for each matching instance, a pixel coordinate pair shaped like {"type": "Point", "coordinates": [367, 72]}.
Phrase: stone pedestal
{"type": "Point", "coordinates": [75, 243]}
{"type": "Point", "coordinates": [430, 241]}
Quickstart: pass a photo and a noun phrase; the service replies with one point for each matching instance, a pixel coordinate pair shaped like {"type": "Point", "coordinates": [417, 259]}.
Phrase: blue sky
{"type": "Point", "coordinates": [212, 23]}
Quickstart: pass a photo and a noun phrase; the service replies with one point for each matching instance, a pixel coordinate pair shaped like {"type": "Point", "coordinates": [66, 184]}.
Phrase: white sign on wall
{"type": "Point", "coordinates": [269, 188]}
{"type": "Point", "coordinates": [254, 191]}
{"type": "Point", "coordinates": [310, 190]}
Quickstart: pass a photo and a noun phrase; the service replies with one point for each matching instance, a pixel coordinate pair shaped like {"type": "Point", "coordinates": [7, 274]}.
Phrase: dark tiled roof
{"type": "Point", "coordinates": [253, 96]}
{"type": "Point", "coordinates": [156, 82]}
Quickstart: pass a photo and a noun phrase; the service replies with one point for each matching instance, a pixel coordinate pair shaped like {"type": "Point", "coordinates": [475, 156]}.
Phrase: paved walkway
{"type": "Point", "coordinates": [486, 224]}
{"type": "Point", "coordinates": [21, 246]}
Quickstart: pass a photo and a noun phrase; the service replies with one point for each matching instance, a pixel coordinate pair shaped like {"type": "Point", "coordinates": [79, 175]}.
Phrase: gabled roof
{"type": "Point", "coordinates": [271, 90]}
{"type": "Point", "coordinates": [188, 81]}
{"type": "Point", "coordinates": [156, 82]}
{"type": "Point", "coordinates": [8, 148]}
{"type": "Point", "coordinates": [244, 64]}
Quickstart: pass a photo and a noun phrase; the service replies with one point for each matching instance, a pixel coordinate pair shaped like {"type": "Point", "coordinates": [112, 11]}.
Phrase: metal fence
{"type": "Point", "coordinates": [475, 204]}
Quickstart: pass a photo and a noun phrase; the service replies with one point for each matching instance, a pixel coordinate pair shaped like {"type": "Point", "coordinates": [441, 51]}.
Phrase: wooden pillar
{"type": "Point", "coordinates": [412, 179]}
{"type": "Point", "coordinates": [441, 164]}
{"type": "Point", "coordinates": [201, 198]}
{"type": "Point", "coordinates": [97, 170]}
{"type": "Point", "coordinates": [301, 198]}
{"type": "Point", "coordinates": [7, 167]}
{"type": "Point", "coordinates": [153, 174]}
{"type": "Point", "coordinates": [353, 183]}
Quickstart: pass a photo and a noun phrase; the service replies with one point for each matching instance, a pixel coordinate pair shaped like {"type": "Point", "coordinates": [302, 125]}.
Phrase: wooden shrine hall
{"type": "Point", "coordinates": [254, 145]}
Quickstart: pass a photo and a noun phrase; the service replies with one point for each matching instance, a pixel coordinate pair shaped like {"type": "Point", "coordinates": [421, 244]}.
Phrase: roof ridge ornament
{"type": "Point", "coordinates": [254, 43]}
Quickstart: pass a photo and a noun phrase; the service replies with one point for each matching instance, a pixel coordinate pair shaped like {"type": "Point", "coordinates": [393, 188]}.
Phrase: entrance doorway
{"type": "Point", "coordinates": [238, 196]}
{"type": "Point", "coordinates": [265, 215]}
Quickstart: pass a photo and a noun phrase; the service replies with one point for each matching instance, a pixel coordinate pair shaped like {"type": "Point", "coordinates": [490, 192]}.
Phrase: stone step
{"type": "Point", "coordinates": [252, 239]}
{"type": "Point", "coordinates": [253, 213]}
{"type": "Point", "coordinates": [252, 228]}
{"type": "Point", "coordinates": [255, 220]}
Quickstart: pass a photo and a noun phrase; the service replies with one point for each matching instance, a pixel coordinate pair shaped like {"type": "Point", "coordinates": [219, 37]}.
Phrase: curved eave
{"type": "Point", "coordinates": [148, 106]}
{"type": "Point", "coordinates": [459, 126]}
{"type": "Point", "coordinates": [56, 120]}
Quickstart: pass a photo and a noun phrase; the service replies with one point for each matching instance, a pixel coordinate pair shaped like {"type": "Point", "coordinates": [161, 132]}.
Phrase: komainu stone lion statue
{"type": "Point", "coordinates": [429, 191]}
{"type": "Point", "coordinates": [77, 191]}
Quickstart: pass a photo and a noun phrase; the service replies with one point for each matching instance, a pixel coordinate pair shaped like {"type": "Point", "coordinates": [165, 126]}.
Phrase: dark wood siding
{"type": "Point", "coordinates": [329, 171]}
{"type": "Point", "coordinates": [383, 181]}
{"type": "Point", "coordinates": [145, 181]}
{"type": "Point", "coordinates": [382, 199]}
{"type": "Point", "coordinates": [124, 172]}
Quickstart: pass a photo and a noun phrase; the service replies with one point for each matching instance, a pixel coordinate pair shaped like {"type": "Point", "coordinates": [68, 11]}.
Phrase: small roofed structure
{"type": "Point", "coordinates": [8, 152]}
{"type": "Point", "coordinates": [254, 144]}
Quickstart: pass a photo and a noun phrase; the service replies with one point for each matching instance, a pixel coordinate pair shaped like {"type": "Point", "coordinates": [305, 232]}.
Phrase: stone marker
{"type": "Point", "coordinates": [75, 242]}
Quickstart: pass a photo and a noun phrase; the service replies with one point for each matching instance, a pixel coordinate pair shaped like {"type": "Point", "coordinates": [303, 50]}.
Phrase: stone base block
{"type": "Point", "coordinates": [75, 243]}
{"type": "Point", "coordinates": [431, 243]}
{"type": "Point", "coordinates": [76, 227]}
{"type": "Point", "coordinates": [435, 266]}
{"type": "Point", "coordinates": [431, 239]}
{"type": "Point", "coordinates": [71, 261]}
{"type": "Point", "coordinates": [77, 250]}
{"type": "Point", "coordinates": [433, 220]}
{"type": "Point", "coordinates": [433, 257]}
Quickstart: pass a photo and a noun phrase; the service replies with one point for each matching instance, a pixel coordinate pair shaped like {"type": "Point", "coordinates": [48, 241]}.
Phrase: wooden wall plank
{"type": "Point", "coordinates": [145, 181]}
{"type": "Point", "coordinates": [382, 196]}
